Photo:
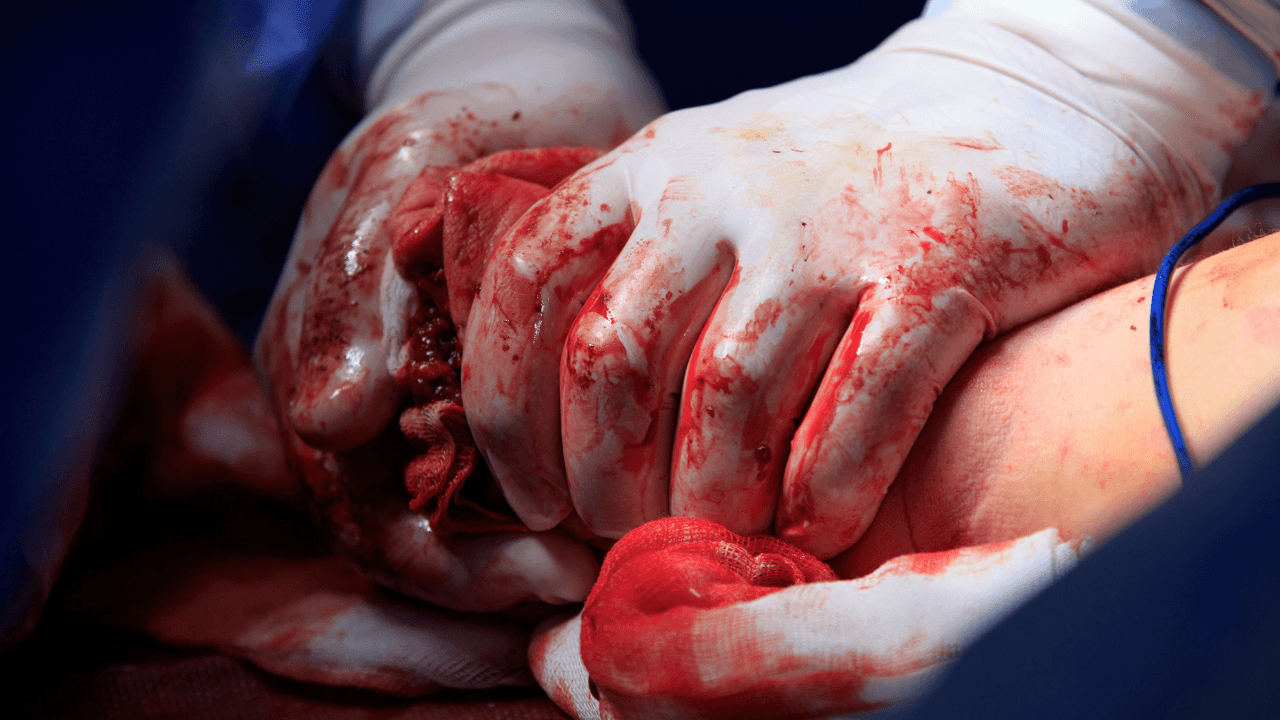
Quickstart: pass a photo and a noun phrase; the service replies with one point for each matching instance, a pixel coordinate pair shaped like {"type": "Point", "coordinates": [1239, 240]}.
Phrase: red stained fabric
{"type": "Point", "coordinates": [655, 582]}
{"type": "Point", "coordinates": [448, 457]}
{"type": "Point", "coordinates": [435, 477]}
{"type": "Point", "coordinates": [214, 687]}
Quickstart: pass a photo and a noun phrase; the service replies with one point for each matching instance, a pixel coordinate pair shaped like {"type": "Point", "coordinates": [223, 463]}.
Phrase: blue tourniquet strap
{"type": "Point", "coordinates": [1159, 295]}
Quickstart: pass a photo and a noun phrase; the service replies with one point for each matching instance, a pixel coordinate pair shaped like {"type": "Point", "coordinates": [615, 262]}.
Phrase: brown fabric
{"type": "Point", "coordinates": [134, 678]}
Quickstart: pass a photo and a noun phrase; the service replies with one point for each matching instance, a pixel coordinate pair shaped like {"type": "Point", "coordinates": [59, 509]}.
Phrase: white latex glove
{"type": "Point", "coordinates": [788, 278]}
{"type": "Point", "coordinates": [1052, 425]}
{"type": "Point", "coordinates": [466, 80]}
{"type": "Point", "coordinates": [691, 621]}
{"type": "Point", "coordinates": [243, 573]}
{"type": "Point", "coordinates": [1055, 424]}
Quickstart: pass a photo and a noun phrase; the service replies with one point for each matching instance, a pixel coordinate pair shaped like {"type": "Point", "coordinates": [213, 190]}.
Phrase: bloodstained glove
{"type": "Point", "coordinates": [1053, 425]}
{"type": "Point", "coordinates": [458, 549]}
{"type": "Point", "coordinates": [194, 535]}
{"type": "Point", "coordinates": [745, 312]}
{"type": "Point", "coordinates": [358, 347]}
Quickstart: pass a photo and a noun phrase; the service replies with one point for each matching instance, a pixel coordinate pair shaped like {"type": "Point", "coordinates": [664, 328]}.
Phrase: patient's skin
{"type": "Point", "coordinates": [1056, 424]}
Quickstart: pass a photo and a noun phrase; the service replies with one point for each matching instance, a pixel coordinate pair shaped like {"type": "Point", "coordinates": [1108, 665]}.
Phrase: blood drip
{"type": "Point", "coordinates": [442, 231]}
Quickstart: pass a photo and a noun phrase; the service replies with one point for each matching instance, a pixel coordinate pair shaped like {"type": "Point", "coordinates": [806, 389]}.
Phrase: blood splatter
{"type": "Point", "coordinates": [974, 143]}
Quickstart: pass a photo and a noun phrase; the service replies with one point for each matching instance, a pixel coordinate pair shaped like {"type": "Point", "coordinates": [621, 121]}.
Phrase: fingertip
{"type": "Point", "coordinates": [556, 568]}
{"type": "Point", "coordinates": [540, 503]}
{"type": "Point", "coordinates": [757, 362]}
{"type": "Point", "coordinates": [832, 489]}
{"type": "Point", "coordinates": [611, 425]}
{"type": "Point", "coordinates": [335, 414]}
{"type": "Point", "coordinates": [623, 365]}
{"type": "Point", "coordinates": [878, 392]}
{"type": "Point", "coordinates": [547, 510]}
{"type": "Point", "coordinates": [806, 532]}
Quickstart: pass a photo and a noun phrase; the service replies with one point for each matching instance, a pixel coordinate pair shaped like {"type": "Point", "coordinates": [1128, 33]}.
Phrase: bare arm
{"type": "Point", "coordinates": [1056, 423]}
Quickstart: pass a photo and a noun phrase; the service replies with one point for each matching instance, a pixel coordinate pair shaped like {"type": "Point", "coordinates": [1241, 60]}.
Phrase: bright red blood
{"type": "Point", "coordinates": [662, 322]}
{"type": "Point", "coordinates": [540, 275]}
{"type": "Point", "coordinates": [480, 209]}
{"type": "Point", "coordinates": [640, 618]}
{"type": "Point", "coordinates": [442, 232]}
{"type": "Point", "coordinates": [415, 224]}
{"type": "Point", "coordinates": [540, 166]}
{"type": "Point", "coordinates": [934, 563]}
{"type": "Point", "coordinates": [737, 482]}
{"type": "Point", "coordinates": [342, 276]}
{"type": "Point", "coordinates": [974, 143]}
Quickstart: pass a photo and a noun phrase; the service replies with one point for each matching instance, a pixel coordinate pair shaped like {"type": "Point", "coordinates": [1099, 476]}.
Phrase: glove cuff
{"type": "Point", "coordinates": [460, 44]}
{"type": "Point", "coordinates": [1257, 20]}
{"type": "Point", "coordinates": [1175, 108]}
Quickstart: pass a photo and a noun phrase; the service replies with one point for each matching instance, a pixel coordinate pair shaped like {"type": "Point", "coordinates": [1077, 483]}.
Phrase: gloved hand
{"type": "Point", "coordinates": [194, 536]}
{"type": "Point", "coordinates": [345, 321]}
{"type": "Point", "coordinates": [1055, 424]}
{"type": "Point", "coordinates": [756, 303]}
{"type": "Point", "coordinates": [1052, 425]}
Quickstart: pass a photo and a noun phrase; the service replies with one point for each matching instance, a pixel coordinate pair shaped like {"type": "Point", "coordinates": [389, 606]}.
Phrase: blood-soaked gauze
{"type": "Point", "coordinates": [443, 231]}
{"type": "Point", "coordinates": [656, 582]}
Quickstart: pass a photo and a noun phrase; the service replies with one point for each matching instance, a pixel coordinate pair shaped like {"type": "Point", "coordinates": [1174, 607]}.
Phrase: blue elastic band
{"type": "Point", "coordinates": [1159, 294]}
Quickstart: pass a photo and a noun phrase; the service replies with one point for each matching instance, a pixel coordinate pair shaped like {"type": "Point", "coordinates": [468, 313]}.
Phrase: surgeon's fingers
{"type": "Point", "coordinates": [345, 394]}
{"type": "Point", "coordinates": [624, 361]}
{"type": "Point", "coordinates": [425, 242]}
{"type": "Point", "coordinates": [350, 317]}
{"type": "Point", "coordinates": [754, 370]}
{"type": "Point", "coordinates": [537, 280]}
{"type": "Point", "coordinates": [276, 348]}
{"type": "Point", "coordinates": [899, 351]}
{"type": "Point", "coordinates": [362, 507]}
